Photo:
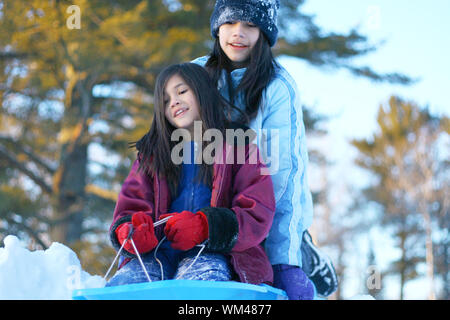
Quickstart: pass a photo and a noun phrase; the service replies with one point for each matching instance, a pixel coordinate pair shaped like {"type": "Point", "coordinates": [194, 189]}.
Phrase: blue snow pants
{"type": "Point", "coordinates": [208, 266]}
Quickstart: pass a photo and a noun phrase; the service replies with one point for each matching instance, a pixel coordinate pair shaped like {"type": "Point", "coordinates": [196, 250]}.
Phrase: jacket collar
{"type": "Point", "coordinates": [236, 77]}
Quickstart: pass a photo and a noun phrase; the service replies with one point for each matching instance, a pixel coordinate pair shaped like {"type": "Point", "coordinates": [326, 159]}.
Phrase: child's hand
{"type": "Point", "coordinates": [144, 234]}
{"type": "Point", "coordinates": [186, 229]}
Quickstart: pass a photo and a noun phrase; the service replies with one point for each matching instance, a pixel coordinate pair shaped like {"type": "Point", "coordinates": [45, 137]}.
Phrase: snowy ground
{"type": "Point", "coordinates": [48, 274]}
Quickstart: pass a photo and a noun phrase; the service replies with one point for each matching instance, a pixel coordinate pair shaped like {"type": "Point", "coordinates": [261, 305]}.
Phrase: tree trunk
{"type": "Point", "coordinates": [429, 255]}
{"type": "Point", "coordinates": [70, 179]}
{"type": "Point", "coordinates": [71, 197]}
{"type": "Point", "coordinates": [402, 266]}
{"type": "Point", "coordinates": [446, 272]}
{"type": "Point", "coordinates": [340, 270]}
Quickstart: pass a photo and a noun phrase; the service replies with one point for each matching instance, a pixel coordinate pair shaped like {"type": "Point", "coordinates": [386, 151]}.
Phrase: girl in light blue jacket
{"type": "Point", "coordinates": [247, 75]}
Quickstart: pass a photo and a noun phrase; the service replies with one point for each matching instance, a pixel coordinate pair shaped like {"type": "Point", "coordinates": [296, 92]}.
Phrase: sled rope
{"type": "Point", "coordinates": [195, 259]}
{"type": "Point", "coordinates": [118, 253]}
{"type": "Point", "coordinates": [140, 260]}
{"type": "Point", "coordinates": [203, 245]}
{"type": "Point", "coordinates": [185, 270]}
{"type": "Point", "coordinates": [157, 223]}
{"type": "Point", "coordinates": [157, 260]}
{"type": "Point", "coordinates": [129, 237]}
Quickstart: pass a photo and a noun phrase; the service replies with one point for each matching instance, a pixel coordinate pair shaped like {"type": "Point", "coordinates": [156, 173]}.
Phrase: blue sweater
{"type": "Point", "coordinates": [192, 195]}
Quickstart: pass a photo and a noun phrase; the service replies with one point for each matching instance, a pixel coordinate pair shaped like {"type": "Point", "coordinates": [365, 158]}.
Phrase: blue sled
{"type": "Point", "coordinates": [182, 290]}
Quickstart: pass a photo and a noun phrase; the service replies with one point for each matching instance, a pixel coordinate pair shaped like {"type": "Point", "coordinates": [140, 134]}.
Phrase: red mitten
{"type": "Point", "coordinates": [144, 234]}
{"type": "Point", "coordinates": [186, 229]}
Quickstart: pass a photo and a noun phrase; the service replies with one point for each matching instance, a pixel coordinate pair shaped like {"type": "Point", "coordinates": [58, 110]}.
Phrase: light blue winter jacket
{"type": "Point", "coordinates": [281, 140]}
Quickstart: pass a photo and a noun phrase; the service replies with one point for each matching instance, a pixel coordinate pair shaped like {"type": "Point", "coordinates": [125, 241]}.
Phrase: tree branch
{"type": "Point", "coordinates": [101, 193]}
{"type": "Point", "coordinates": [32, 233]}
{"type": "Point", "coordinates": [29, 152]}
{"type": "Point", "coordinates": [11, 158]}
{"type": "Point", "coordinates": [12, 55]}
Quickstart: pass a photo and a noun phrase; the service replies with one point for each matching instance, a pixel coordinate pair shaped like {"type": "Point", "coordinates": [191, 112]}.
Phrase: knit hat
{"type": "Point", "coordinates": [262, 13]}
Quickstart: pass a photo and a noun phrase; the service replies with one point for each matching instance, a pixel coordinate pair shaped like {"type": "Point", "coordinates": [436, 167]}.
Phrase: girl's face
{"type": "Point", "coordinates": [181, 105]}
{"type": "Point", "coordinates": [237, 40]}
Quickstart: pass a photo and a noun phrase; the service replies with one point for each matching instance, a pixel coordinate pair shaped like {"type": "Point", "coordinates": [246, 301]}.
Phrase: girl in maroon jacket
{"type": "Point", "coordinates": [226, 205]}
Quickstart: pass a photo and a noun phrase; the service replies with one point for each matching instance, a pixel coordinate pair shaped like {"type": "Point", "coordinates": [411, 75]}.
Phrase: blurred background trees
{"type": "Point", "coordinates": [409, 159]}
{"type": "Point", "coordinates": [72, 99]}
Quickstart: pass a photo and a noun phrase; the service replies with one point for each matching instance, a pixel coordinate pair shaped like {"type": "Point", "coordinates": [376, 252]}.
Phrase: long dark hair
{"type": "Point", "coordinates": [260, 71]}
{"type": "Point", "coordinates": [156, 146]}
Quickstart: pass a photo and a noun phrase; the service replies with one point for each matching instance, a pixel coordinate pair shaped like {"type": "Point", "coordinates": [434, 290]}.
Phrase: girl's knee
{"type": "Point", "coordinates": [208, 267]}
{"type": "Point", "coordinates": [132, 272]}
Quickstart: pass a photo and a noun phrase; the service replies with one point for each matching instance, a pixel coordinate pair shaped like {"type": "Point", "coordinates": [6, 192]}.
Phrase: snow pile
{"type": "Point", "coordinates": [49, 274]}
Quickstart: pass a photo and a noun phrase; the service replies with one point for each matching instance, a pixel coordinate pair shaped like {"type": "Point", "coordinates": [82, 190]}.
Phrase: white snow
{"type": "Point", "coordinates": [42, 274]}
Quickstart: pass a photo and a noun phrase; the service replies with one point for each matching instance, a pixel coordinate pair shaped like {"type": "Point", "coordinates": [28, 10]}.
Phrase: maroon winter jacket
{"type": "Point", "coordinates": [239, 217]}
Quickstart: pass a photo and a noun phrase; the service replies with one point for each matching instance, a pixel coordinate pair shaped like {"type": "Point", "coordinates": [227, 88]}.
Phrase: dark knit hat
{"type": "Point", "coordinates": [262, 13]}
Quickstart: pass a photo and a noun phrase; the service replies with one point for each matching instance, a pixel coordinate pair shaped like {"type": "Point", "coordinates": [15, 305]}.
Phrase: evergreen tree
{"type": "Point", "coordinates": [406, 158]}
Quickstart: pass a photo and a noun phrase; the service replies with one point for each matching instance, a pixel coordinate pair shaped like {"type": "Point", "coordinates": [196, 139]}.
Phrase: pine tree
{"type": "Point", "coordinates": [406, 158]}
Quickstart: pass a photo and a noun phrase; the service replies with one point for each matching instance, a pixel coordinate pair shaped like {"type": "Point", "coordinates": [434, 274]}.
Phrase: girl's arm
{"type": "Point", "coordinates": [135, 195]}
{"type": "Point", "coordinates": [282, 119]}
{"type": "Point", "coordinates": [247, 222]}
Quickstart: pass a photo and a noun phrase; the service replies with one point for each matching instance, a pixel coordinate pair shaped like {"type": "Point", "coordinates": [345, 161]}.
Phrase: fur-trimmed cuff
{"type": "Point", "coordinates": [113, 237]}
{"type": "Point", "coordinates": [223, 229]}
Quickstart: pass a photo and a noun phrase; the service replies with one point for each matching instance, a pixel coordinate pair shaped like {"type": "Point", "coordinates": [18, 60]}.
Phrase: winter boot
{"type": "Point", "coordinates": [318, 267]}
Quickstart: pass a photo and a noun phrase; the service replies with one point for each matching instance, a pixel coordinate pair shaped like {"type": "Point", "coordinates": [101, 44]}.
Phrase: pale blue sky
{"type": "Point", "coordinates": [417, 44]}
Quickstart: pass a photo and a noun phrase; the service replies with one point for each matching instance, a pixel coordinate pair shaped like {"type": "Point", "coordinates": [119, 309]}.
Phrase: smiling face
{"type": "Point", "coordinates": [237, 39]}
{"type": "Point", "coordinates": [181, 105]}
